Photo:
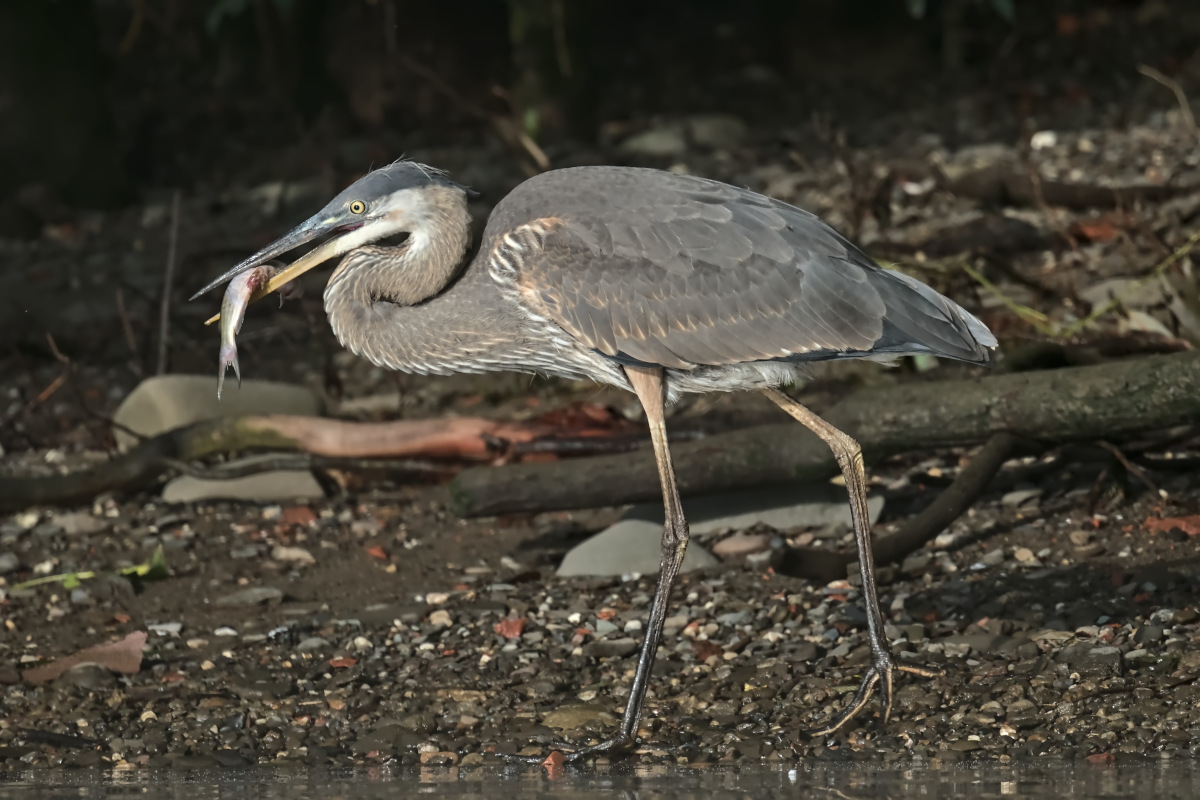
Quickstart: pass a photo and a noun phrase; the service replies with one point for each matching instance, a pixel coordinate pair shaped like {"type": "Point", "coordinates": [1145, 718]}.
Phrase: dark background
{"type": "Point", "coordinates": [102, 101]}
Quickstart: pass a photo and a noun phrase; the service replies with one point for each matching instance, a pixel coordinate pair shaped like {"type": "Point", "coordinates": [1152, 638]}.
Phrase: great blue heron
{"type": "Point", "coordinates": [654, 282]}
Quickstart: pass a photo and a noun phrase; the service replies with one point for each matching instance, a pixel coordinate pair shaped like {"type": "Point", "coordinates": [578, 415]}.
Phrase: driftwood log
{"type": "Point", "coordinates": [461, 439]}
{"type": "Point", "coordinates": [1104, 401]}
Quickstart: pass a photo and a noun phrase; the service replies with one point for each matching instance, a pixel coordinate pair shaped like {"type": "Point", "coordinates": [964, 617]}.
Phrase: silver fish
{"type": "Point", "coordinates": [233, 311]}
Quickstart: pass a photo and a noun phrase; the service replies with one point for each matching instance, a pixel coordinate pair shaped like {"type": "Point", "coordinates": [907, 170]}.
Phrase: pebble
{"type": "Point", "coordinates": [579, 717]}
{"type": "Point", "coordinates": [90, 676]}
{"type": "Point", "coordinates": [1090, 658]}
{"type": "Point", "coordinates": [312, 644]}
{"type": "Point", "coordinates": [250, 597]}
{"type": "Point", "coordinates": [916, 564]}
{"type": "Point", "coordinates": [993, 558]}
{"type": "Point", "coordinates": [1148, 633]}
{"type": "Point", "coordinates": [608, 648]}
{"type": "Point", "coordinates": [1024, 555]}
{"type": "Point", "coordinates": [80, 523]}
{"type": "Point", "coordinates": [441, 617]}
{"type": "Point", "coordinates": [1185, 616]}
{"type": "Point", "coordinates": [292, 555]}
{"type": "Point", "coordinates": [741, 544]}
{"type": "Point", "coordinates": [1080, 537]}
{"type": "Point", "coordinates": [1020, 497]}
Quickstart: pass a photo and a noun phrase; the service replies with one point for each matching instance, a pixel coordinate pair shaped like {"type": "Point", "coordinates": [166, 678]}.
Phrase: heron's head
{"type": "Point", "coordinates": [404, 197]}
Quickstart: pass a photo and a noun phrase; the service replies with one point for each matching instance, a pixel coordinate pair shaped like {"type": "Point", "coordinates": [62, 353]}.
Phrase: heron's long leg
{"type": "Point", "coordinates": [650, 387]}
{"type": "Point", "coordinates": [849, 458]}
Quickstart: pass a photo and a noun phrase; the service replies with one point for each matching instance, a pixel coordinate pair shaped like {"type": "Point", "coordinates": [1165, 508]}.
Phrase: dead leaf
{"type": "Point", "coordinates": [705, 649]}
{"type": "Point", "coordinates": [510, 628]}
{"type": "Point", "coordinates": [298, 515]}
{"type": "Point", "coordinates": [554, 764]}
{"type": "Point", "coordinates": [124, 656]}
{"type": "Point", "coordinates": [1189, 525]}
{"type": "Point", "coordinates": [1100, 230]}
{"type": "Point", "coordinates": [376, 551]}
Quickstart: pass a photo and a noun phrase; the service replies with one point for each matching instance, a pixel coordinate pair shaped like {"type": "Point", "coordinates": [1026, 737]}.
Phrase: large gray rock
{"type": "Point", "coordinates": [274, 486]}
{"type": "Point", "coordinates": [631, 544]}
{"type": "Point", "coordinates": [625, 547]}
{"type": "Point", "coordinates": [164, 402]}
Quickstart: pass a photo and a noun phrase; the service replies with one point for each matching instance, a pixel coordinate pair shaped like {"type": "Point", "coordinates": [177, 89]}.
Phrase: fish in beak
{"type": "Point", "coordinates": [379, 204]}
{"type": "Point", "coordinates": [259, 275]}
{"type": "Point", "coordinates": [308, 231]}
{"type": "Point", "coordinates": [233, 310]}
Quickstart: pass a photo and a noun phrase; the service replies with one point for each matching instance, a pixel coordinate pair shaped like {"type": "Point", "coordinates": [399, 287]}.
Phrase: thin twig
{"type": "Point", "coordinates": [53, 387]}
{"type": "Point", "coordinates": [1185, 108]}
{"type": "Point", "coordinates": [506, 128]}
{"type": "Point", "coordinates": [300, 461]}
{"type": "Point", "coordinates": [164, 318]}
{"type": "Point", "coordinates": [1132, 468]}
{"type": "Point", "coordinates": [58, 354]}
{"type": "Point", "coordinates": [135, 27]}
{"type": "Point", "coordinates": [1034, 317]}
{"type": "Point", "coordinates": [127, 330]}
{"type": "Point", "coordinates": [561, 50]}
{"type": "Point", "coordinates": [1039, 199]}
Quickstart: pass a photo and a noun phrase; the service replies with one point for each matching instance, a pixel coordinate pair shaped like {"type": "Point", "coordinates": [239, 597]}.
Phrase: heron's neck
{"type": "Point", "coordinates": [406, 274]}
{"type": "Point", "coordinates": [406, 308]}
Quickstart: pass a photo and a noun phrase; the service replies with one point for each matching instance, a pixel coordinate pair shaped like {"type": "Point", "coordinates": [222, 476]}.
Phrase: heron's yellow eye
{"type": "Point", "coordinates": [358, 207]}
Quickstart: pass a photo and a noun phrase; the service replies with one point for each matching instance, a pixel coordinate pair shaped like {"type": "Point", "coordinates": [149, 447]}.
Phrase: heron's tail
{"type": "Point", "coordinates": [921, 321]}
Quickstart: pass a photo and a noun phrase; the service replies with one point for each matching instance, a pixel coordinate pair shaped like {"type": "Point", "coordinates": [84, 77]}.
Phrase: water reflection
{"type": "Point", "coordinates": [1168, 779]}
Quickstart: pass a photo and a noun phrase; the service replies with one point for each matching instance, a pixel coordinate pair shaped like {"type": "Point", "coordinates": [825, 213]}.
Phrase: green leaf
{"type": "Point", "coordinates": [154, 568]}
{"type": "Point", "coordinates": [531, 121]}
{"type": "Point", "coordinates": [68, 580]}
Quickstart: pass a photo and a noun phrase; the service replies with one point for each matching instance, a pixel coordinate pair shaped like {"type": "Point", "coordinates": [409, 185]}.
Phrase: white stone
{"type": "Point", "coordinates": [165, 402]}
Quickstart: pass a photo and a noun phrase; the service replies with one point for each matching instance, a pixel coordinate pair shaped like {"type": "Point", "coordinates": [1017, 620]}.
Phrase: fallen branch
{"type": "Point", "coordinates": [827, 565]}
{"type": "Point", "coordinates": [463, 439]}
{"type": "Point", "coordinates": [1054, 406]}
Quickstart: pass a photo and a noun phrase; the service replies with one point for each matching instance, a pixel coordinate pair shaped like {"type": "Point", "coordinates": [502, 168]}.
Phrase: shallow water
{"type": "Point", "coordinates": [1036, 780]}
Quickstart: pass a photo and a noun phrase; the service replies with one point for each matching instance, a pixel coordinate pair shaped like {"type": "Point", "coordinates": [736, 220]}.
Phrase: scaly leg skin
{"type": "Point", "coordinates": [649, 384]}
{"type": "Point", "coordinates": [881, 674]}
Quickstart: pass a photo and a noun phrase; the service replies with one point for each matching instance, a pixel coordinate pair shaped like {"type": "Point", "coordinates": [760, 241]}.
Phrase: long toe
{"type": "Point", "coordinates": [882, 676]}
{"type": "Point", "coordinates": [615, 746]}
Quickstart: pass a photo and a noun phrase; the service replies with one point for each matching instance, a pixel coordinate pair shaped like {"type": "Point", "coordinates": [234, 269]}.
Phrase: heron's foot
{"type": "Point", "coordinates": [880, 676]}
{"type": "Point", "coordinates": [618, 745]}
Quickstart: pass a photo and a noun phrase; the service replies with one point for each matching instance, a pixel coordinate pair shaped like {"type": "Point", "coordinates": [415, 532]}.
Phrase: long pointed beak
{"type": "Point", "coordinates": [302, 234]}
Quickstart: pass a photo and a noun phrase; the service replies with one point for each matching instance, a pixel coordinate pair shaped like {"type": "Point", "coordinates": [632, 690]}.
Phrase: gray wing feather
{"type": "Point", "coordinates": [682, 271]}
